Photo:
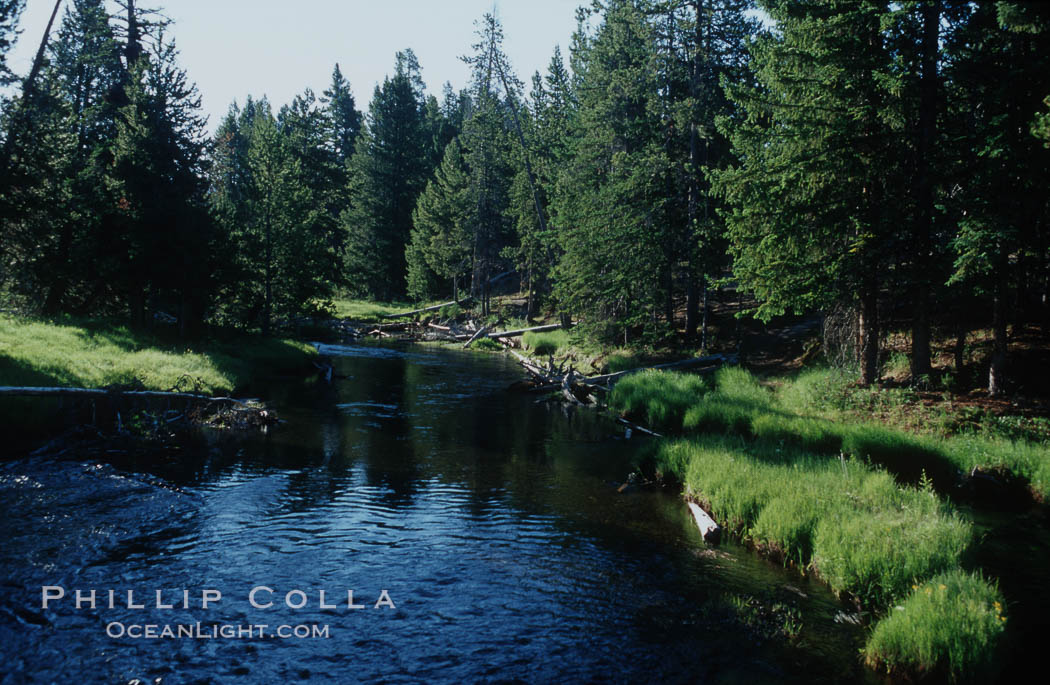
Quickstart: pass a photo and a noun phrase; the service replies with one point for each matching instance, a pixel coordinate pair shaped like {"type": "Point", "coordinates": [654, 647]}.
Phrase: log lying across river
{"type": "Point", "coordinates": [431, 308]}
{"type": "Point", "coordinates": [14, 391]}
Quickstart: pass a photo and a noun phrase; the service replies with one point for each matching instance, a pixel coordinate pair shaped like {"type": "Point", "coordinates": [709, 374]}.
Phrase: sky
{"type": "Point", "coordinates": [235, 48]}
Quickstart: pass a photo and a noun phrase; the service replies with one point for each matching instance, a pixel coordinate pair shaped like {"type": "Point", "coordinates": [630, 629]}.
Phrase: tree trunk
{"type": "Point", "coordinates": [920, 346]}
{"type": "Point", "coordinates": [997, 370]}
{"type": "Point", "coordinates": [703, 321]}
{"type": "Point", "coordinates": [960, 347]}
{"type": "Point", "coordinates": [268, 285]}
{"type": "Point", "coordinates": [691, 295]}
{"type": "Point", "coordinates": [869, 335]}
{"type": "Point", "coordinates": [692, 305]}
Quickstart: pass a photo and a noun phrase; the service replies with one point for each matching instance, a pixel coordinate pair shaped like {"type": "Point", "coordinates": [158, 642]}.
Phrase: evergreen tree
{"type": "Point", "coordinates": [610, 207]}
{"type": "Point", "coordinates": [10, 11]}
{"type": "Point", "coordinates": [440, 248]}
{"type": "Point", "coordinates": [60, 157]}
{"type": "Point", "coordinates": [302, 125]}
{"type": "Point", "coordinates": [999, 71]}
{"type": "Point", "coordinates": [490, 152]}
{"type": "Point", "coordinates": [389, 168]}
{"type": "Point", "coordinates": [342, 120]}
{"type": "Point", "coordinates": [547, 122]}
{"type": "Point", "coordinates": [267, 178]}
{"type": "Point", "coordinates": [815, 198]}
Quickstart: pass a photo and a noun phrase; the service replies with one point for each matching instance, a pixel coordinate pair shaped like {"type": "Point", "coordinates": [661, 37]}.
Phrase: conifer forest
{"type": "Point", "coordinates": [843, 204]}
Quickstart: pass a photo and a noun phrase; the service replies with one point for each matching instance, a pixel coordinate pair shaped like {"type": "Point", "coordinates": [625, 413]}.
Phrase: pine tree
{"type": "Point", "coordinates": [303, 126]}
{"type": "Point", "coordinates": [609, 211]}
{"type": "Point", "coordinates": [814, 199]}
{"type": "Point", "coordinates": [548, 123]}
{"type": "Point", "coordinates": [10, 11]}
{"type": "Point", "coordinates": [63, 259]}
{"type": "Point", "coordinates": [389, 168]}
{"type": "Point", "coordinates": [440, 248]}
{"type": "Point", "coordinates": [342, 120]}
{"type": "Point", "coordinates": [486, 139]}
{"type": "Point", "coordinates": [999, 73]}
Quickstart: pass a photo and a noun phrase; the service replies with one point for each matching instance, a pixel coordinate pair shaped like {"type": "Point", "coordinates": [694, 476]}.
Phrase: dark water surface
{"type": "Point", "coordinates": [493, 523]}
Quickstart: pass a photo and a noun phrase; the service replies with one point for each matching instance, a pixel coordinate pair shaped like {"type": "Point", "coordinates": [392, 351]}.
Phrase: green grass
{"type": "Point", "coordinates": [549, 342]}
{"type": "Point", "coordinates": [861, 531]}
{"type": "Point", "coordinates": [808, 413]}
{"type": "Point", "coordinates": [950, 624]}
{"type": "Point", "coordinates": [657, 398]}
{"type": "Point", "coordinates": [868, 537]}
{"type": "Point", "coordinates": [622, 360]}
{"type": "Point", "coordinates": [934, 442]}
{"type": "Point", "coordinates": [486, 345]}
{"type": "Point", "coordinates": [365, 310]}
{"type": "Point", "coordinates": [95, 354]}
{"type": "Point", "coordinates": [808, 481]}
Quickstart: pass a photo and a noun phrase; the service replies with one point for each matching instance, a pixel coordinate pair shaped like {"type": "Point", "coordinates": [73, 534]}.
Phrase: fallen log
{"type": "Point", "coordinates": [636, 427]}
{"type": "Point", "coordinates": [431, 308]}
{"type": "Point", "coordinates": [399, 326]}
{"type": "Point", "coordinates": [710, 531]}
{"type": "Point", "coordinates": [566, 388]}
{"type": "Point", "coordinates": [14, 391]}
{"type": "Point", "coordinates": [536, 371]}
{"type": "Point", "coordinates": [523, 331]}
{"type": "Point", "coordinates": [480, 332]}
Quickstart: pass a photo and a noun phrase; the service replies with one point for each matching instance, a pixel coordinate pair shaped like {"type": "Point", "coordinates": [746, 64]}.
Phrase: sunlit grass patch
{"type": "Point", "coordinates": [877, 555]}
{"type": "Point", "coordinates": [951, 624]}
{"type": "Point", "coordinates": [95, 355]}
{"type": "Point", "coordinates": [486, 344]}
{"type": "Point", "coordinates": [546, 343]}
{"type": "Point", "coordinates": [858, 528]}
{"type": "Point", "coordinates": [366, 310]}
{"type": "Point", "coordinates": [659, 398]}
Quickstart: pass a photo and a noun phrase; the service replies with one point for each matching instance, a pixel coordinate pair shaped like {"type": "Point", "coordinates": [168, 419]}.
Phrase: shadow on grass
{"type": "Point", "coordinates": [737, 405]}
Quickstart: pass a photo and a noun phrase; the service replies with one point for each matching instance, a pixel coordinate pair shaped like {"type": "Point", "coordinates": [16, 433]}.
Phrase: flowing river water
{"type": "Point", "coordinates": [494, 524]}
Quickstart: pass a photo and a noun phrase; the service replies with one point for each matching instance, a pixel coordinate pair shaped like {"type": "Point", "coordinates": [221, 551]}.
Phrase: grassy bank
{"type": "Point", "coordinates": [367, 310]}
{"type": "Point", "coordinates": [97, 354]}
{"type": "Point", "coordinates": [775, 468]}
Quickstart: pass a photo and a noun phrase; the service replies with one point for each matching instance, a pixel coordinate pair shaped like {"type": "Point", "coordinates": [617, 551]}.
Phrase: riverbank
{"type": "Point", "coordinates": [98, 354]}
{"type": "Point", "coordinates": [107, 355]}
{"type": "Point", "coordinates": [859, 504]}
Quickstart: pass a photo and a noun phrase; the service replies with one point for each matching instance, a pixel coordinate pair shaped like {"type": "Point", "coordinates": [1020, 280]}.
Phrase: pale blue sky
{"type": "Point", "coordinates": [233, 48]}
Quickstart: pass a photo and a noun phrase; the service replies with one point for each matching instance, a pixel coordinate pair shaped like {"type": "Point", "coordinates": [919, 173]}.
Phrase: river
{"type": "Point", "coordinates": [492, 523]}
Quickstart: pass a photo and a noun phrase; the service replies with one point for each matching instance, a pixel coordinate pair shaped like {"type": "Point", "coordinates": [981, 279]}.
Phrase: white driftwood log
{"type": "Point", "coordinates": [709, 530]}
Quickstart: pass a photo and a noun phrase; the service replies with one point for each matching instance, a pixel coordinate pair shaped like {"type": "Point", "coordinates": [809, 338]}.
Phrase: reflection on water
{"type": "Point", "coordinates": [493, 523]}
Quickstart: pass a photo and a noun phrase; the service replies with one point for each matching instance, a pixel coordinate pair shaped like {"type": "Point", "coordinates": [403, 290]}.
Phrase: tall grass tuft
{"type": "Point", "coordinates": [545, 343]}
{"type": "Point", "coordinates": [658, 398]}
{"type": "Point", "coordinates": [861, 531]}
{"type": "Point", "coordinates": [949, 625]}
